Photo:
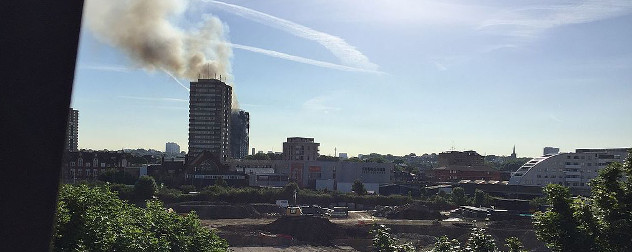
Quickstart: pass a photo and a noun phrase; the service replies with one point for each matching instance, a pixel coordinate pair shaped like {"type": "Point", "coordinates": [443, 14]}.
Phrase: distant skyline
{"type": "Point", "coordinates": [390, 77]}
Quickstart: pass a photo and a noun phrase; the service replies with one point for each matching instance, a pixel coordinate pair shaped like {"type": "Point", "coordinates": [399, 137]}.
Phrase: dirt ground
{"type": "Point", "coordinates": [351, 234]}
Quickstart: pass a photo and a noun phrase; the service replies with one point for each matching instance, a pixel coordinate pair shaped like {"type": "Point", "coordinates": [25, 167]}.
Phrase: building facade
{"type": "Point", "coordinates": [72, 131]}
{"type": "Point", "coordinates": [319, 175]}
{"type": "Point", "coordinates": [455, 166]}
{"type": "Point", "coordinates": [239, 133]}
{"type": "Point", "coordinates": [172, 148]}
{"type": "Point", "coordinates": [300, 148]}
{"type": "Point", "coordinates": [573, 170]}
{"type": "Point", "coordinates": [209, 118]}
{"type": "Point", "coordinates": [87, 165]}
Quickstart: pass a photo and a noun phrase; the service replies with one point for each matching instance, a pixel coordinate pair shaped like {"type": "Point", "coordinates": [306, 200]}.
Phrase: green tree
{"type": "Point", "coordinates": [384, 242]}
{"type": "Point", "coordinates": [376, 159]}
{"type": "Point", "coordinates": [145, 187]}
{"type": "Point", "coordinates": [398, 161]}
{"type": "Point", "coordinates": [557, 227]}
{"type": "Point", "coordinates": [289, 190]}
{"type": "Point", "coordinates": [444, 244]}
{"type": "Point", "coordinates": [601, 222]}
{"type": "Point", "coordinates": [458, 196]}
{"type": "Point", "coordinates": [514, 245]}
{"type": "Point", "coordinates": [358, 187]}
{"type": "Point", "coordinates": [95, 219]}
{"type": "Point", "coordinates": [480, 198]}
{"type": "Point", "coordinates": [480, 241]}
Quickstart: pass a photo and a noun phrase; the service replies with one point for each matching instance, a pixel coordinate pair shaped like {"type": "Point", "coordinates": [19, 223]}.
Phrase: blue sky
{"type": "Point", "coordinates": [386, 76]}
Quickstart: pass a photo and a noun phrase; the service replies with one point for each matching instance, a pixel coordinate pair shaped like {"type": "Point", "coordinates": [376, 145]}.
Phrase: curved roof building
{"type": "Point", "coordinates": [568, 169]}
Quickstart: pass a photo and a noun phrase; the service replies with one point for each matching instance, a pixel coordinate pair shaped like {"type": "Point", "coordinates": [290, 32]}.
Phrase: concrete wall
{"type": "Point", "coordinates": [325, 184]}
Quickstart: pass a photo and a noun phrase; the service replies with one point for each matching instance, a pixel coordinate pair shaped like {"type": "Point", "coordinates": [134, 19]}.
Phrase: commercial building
{"type": "Point", "coordinates": [239, 133]}
{"type": "Point", "coordinates": [72, 130]}
{"type": "Point", "coordinates": [209, 118]}
{"type": "Point", "coordinates": [372, 175]}
{"type": "Point", "coordinates": [172, 148]}
{"type": "Point", "coordinates": [319, 175]}
{"type": "Point", "coordinates": [300, 148]}
{"type": "Point", "coordinates": [574, 170]}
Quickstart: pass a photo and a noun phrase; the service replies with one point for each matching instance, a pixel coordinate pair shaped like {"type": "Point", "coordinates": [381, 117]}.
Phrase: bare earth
{"type": "Point", "coordinates": [251, 235]}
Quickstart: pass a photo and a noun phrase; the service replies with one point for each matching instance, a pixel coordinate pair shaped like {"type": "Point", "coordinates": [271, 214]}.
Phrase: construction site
{"type": "Point", "coordinates": [270, 227]}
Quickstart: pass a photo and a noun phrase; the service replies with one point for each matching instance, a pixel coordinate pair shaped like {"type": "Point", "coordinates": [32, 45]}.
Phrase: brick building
{"type": "Point", "coordinates": [455, 166]}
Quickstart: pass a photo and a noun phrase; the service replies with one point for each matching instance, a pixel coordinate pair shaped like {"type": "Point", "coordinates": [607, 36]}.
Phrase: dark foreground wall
{"type": "Point", "coordinates": [38, 47]}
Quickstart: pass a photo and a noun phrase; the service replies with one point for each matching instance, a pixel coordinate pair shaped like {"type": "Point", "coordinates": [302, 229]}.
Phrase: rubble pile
{"type": "Point", "coordinates": [414, 211]}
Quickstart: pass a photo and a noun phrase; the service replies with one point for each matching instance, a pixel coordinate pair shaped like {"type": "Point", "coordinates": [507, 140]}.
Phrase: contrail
{"type": "Point", "coordinates": [300, 59]}
{"type": "Point", "coordinates": [175, 79]}
{"type": "Point", "coordinates": [346, 53]}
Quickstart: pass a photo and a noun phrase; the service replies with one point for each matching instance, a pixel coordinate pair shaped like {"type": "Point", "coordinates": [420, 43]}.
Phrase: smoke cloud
{"type": "Point", "coordinates": [143, 29]}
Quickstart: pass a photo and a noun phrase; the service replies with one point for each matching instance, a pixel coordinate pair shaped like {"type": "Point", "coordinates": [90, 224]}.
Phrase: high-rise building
{"type": "Point", "coordinates": [239, 131]}
{"type": "Point", "coordinates": [300, 148]}
{"type": "Point", "coordinates": [209, 118]}
{"type": "Point", "coordinates": [72, 131]}
{"type": "Point", "coordinates": [172, 148]}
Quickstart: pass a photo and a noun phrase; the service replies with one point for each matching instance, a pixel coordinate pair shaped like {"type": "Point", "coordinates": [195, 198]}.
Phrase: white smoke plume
{"type": "Point", "coordinates": [143, 29]}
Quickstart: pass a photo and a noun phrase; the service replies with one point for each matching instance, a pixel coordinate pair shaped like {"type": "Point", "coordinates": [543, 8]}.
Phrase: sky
{"type": "Point", "coordinates": [384, 76]}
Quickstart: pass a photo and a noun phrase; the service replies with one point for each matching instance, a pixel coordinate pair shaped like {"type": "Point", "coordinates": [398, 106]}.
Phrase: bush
{"type": "Point", "coordinates": [95, 219]}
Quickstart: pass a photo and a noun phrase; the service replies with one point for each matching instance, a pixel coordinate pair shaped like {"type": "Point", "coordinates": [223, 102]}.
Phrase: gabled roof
{"type": "Point", "coordinates": [206, 157]}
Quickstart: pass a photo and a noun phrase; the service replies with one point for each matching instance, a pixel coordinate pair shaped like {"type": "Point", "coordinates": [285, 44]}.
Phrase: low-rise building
{"type": "Point", "coordinates": [319, 175]}
{"type": "Point", "coordinates": [88, 164]}
{"type": "Point", "coordinates": [467, 165]}
{"type": "Point", "coordinates": [454, 173]}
